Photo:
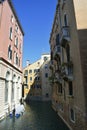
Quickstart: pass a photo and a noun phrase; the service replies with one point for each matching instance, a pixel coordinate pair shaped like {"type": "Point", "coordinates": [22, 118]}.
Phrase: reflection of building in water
{"type": "Point", "coordinates": [11, 42]}
{"type": "Point", "coordinates": [36, 79]}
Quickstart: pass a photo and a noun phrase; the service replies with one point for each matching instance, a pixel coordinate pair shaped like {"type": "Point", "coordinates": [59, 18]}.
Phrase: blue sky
{"type": "Point", "coordinates": [36, 17]}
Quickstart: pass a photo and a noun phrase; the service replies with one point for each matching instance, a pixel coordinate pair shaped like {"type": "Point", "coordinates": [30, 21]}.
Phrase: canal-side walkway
{"type": "Point", "coordinates": [37, 116]}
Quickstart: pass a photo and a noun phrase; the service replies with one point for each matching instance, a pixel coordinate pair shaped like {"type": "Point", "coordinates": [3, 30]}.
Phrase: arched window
{"type": "Point", "coordinates": [7, 86]}
{"type": "Point", "coordinates": [13, 87]}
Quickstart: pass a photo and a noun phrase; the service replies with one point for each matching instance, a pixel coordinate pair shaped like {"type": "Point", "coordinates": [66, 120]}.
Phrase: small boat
{"type": "Point", "coordinates": [17, 111]}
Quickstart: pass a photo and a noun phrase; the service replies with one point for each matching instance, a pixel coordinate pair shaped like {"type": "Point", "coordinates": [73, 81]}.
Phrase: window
{"type": "Point", "coordinates": [35, 70]}
{"type": "Point", "coordinates": [46, 66]}
{"type": "Point", "coordinates": [6, 91]}
{"type": "Point", "coordinates": [10, 35]}
{"type": "Point", "coordinates": [70, 88]}
{"type": "Point", "coordinates": [16, 42]}
{"type": "Point", "coordinates": [19, 62]}
{"type": "Point", "coordinates": [30, 78]}
{"type": "Point", "coordinates": [38, 63]}
{"type": "Point", "coordinates": [30, 71]}
{"type": "Point", "coordinates": [65, 20]}
{"type": "Point", "coordinates": [26, 72]}
{"type": "Point", "coordinates": [46, 75]}
{"type": "Point", "coordinates": [26, 80]}
{"type": "Point", "coordinates": [16, 59]}
{"type": "Point", "coordinates": [47, 95]}
{"type": "Point", "coordinates": [16, 28]}
{"type": "Point", "coordinates": [38, 70]}
{"type": "Point", "coordinates": [13, 85]}
{"type": "Point", "coordinates": [60, 88]}
{"type": "Point", "coordinates": [37, 78]}
{"type": "Point", "coordinates": [12, 18]}
{"type": "Point", "coordinates": [9, 52]}
{"type": "Point", "coordinates": [45, 58]}
{"type": "Point", "coordinates": [72, 115]}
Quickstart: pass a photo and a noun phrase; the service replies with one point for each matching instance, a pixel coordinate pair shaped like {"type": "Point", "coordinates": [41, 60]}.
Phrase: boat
{"type": "Point", "coordinates": [17, 111]}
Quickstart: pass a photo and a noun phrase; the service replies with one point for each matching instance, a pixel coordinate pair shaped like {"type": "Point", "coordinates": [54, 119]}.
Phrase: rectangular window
{"type": "Point", "coordinates": [16, 59]}
{"type": "Point", "coordinates": [6, 91]}
{"type": "Point", "coordinates": [38, 70]}
{"type": "Point", "coordinates": [35, 70]}
{"type": "Point", "coordinates": [26, 80]}
{"type": "Point", "coordinates": [12, 18]}
{"type": "Point", "coordinates": [13, 85]}
{"type": "Point", "coordinates": [60, 88]}
{"type": "Point", "coordinates": [30, 78]}
{"type": "Point", "coordinates": [30, 71]}
{"type": "Point", "coordinates": [46, 66]}
{"type": "Point", "coordinates": [26, 73]}
{"type": "Point", "coordinates": [16, 42]}
{"type": "Point", "coordinates": [45, 58]}
{"type": "Point", "coordinates": [9, 52]}
{"type": "Point", "coordinates": [10, 35]}
{"type": "Point", "coordinates": [46, 75]}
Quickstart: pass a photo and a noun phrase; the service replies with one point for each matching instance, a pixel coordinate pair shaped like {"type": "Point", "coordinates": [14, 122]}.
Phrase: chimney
{"type": "Point", "coordinates": [27, 62]}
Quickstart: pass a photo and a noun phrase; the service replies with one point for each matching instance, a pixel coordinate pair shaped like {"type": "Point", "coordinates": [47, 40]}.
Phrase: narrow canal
{"type": "Point", "coordinates": [38, 116]}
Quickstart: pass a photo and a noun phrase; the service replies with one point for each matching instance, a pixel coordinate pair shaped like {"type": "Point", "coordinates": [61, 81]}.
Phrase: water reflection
{"type": "Point", "coordinates": [38, 116]}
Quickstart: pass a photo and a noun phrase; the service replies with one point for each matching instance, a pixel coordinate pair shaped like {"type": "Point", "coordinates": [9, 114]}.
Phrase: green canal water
{"type": "Point", "coordinates": [37, 116]}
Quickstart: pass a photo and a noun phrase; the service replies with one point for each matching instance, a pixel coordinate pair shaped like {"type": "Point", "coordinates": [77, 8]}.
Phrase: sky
{"type": "Point", "coordinates": [36, 18]}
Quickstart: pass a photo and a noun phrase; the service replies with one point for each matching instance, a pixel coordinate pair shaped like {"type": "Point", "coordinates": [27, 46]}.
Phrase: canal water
{"type": "Point", "coordinates": [37, 116]}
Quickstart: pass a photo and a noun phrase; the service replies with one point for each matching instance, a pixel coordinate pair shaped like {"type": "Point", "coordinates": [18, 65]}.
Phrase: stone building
{"type": "Point", "coordinates": [68, 43]}
{"type": "Point", "coordinates": [36, 79]}
{"type": "Point", "coordinates": [11, 42]}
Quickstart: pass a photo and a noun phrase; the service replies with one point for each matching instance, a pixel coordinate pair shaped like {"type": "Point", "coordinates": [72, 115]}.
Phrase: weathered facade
{"type": "Point", "coordinates": [68, 43]}
{"type": "Point", "coordinates": [11, 42]}
{"type": "Point", "coordinates": [36, 80]}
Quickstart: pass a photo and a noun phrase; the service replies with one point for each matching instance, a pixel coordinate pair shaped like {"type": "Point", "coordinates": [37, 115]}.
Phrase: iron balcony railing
{"type": "Point", "coordinates": [64, 35]}
{"type": "Point", "coordinates": [57, 50]}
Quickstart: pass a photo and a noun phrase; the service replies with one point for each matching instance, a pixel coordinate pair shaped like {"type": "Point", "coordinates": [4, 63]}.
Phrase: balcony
{"type": "Point", "coordinates": [63, 3]}
{"type": "Point", "coordinates": [67, 72]}
{"type": "Point", "coordinates": [57, 78]}
{"type": "Point", "coordinates": [57, 51]}
{"type": "Point", "coordinates": [64, 36]}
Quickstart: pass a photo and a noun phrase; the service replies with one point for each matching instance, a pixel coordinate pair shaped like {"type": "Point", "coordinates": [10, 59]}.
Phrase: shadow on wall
{"type": "Point", "coordinates": [33, 90]}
